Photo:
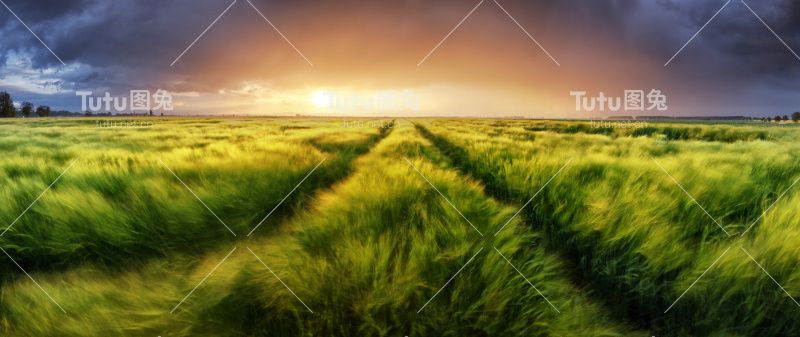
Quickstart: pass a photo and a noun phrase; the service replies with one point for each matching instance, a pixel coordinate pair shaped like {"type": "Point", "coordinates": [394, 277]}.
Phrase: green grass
{"type": "Point", "coordinates": [119, 203]}
{"type": "Point", "coordinates": [637, 239]}
{"type": "Point", "coordinates": [380, 245]}
{"type": "Point", "coordinates": [701, 131]}
{"type": "Point", "coordinates": [366, 242]}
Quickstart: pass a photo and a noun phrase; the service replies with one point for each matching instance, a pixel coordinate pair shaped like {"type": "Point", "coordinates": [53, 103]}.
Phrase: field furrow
{"type": "Point", "coordinates": [118, 205]}
{"type": "Point", "coordinates": [121, 217]}
{"type": "Point", "coordinates": [374, 257]}
{"type": "Point", "coordinates": [636, 238]}
{"type": "Point", "coordinates": [432, 227]}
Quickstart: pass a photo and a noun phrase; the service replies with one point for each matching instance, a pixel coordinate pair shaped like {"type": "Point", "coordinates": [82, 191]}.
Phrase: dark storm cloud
{"type": "Point", "coordinates": [738, 35]}
{"type": "Point", "coordinates": [146, 33]}
{"type": "Point", "coordinates": [133, 43]}
{"type": "Point", "coordinates": [123, 45]}
{"type": "Point", "coordinates": [92, 77]}
{"type": "Point", "coordinates": [125, 40]}
{"type": "Point", "coordinates": [661, 28]}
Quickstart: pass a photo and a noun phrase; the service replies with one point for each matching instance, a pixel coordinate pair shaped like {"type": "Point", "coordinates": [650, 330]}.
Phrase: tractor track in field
{"type": "Point", "coordinates": [342, 158]}
{"type": "Point", "coordinates": [642, 317]}
{"type": "Point", "coordinates": [346, 164]}
{"type": "Point", "coordinates": [429, 154]}
{"type": "Point", "coordinates": [230, 299]}
{"type": "Point", "coordinates": [274, 235]}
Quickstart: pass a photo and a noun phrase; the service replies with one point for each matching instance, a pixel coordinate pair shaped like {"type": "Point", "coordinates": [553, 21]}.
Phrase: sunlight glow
{"type": "Point", "coordinates": [320, 99]}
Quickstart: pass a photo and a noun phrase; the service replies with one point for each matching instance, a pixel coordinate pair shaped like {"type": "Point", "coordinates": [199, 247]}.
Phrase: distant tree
{"type": "Point", "coordinates": [785, 118]}
{"type": "Point", "coordinates": [27, 109]}
{"type": "Point", "coordinates": [796, 116]}
{"type": "Point", "coordinates": [162, 114]}
{"type": "Point", "coordinates": [88, 113]}
{"type": "Point", "coordinates": [777, 119]}
{"type": "Point", "coordinates": [769, 119]}
{"type": "Point", "coordinates": [43, 111]}
{"type": "Point", "coordinates": [763, 119]}
{"type": "Point", "coordinates": [7, 108]}
{"type": "Point", "coordinates": [151, 112]}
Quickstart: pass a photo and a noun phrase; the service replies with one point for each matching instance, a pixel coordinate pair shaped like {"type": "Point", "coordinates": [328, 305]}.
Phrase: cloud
{"type": "Point", "coordinates": [91, 77]}
{"type": "Point", "coordinates": [607, 45]}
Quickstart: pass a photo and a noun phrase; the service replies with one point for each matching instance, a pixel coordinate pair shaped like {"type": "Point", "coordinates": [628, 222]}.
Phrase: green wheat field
{"type": "Point", "coordinates": [422, 227]}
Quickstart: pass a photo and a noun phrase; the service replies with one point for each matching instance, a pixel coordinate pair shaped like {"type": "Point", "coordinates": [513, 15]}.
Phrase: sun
{"type": "Point", "coordinates": [320, 99]}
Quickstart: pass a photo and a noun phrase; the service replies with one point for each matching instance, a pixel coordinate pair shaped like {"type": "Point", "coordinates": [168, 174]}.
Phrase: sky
{"type": "Point", "coordinates": [290, 60]}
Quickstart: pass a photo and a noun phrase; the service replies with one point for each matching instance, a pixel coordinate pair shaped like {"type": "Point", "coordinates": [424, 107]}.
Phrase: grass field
{"type": "Point", "coordinates": [431, 227]}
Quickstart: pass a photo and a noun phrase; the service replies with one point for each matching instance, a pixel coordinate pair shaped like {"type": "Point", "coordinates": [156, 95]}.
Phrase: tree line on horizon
{"type": "Point", "coordinates": [795, 118]}
{"type": "Point", "coordinates": [8, 110]}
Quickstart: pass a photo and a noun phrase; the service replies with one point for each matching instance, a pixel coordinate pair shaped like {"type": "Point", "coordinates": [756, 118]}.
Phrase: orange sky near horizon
{"type": "Point", "coordinates": [488, 66]}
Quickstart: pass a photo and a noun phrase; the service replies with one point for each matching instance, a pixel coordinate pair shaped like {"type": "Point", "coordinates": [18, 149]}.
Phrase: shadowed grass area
{"type": "Point", "coordinates": [689, 131]}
